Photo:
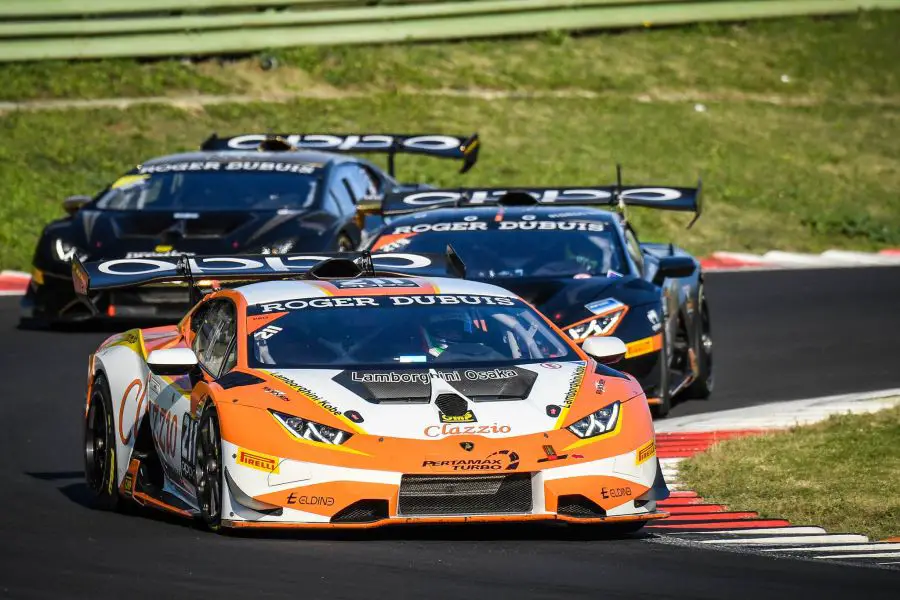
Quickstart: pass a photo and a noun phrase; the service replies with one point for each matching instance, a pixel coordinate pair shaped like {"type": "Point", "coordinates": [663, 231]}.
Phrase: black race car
{"type": "Point", "coordinates": [580, 265]}
{"type": "Point", "coordinates": [267, 194]}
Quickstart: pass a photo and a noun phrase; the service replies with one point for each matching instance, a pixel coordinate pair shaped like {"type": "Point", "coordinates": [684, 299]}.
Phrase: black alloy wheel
{"type": "Point", "coordinates": [702, 387]}
{"type": "Point", "coordinates": [100, 448]}
{"type": "Point", "coordinates": [208, 470]}
{"type": "Point", "coordinates": [662, 409]}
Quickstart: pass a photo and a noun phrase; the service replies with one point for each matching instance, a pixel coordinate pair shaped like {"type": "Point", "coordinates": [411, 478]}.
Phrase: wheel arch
{"type": "Point", "coordinates": [127, 377]}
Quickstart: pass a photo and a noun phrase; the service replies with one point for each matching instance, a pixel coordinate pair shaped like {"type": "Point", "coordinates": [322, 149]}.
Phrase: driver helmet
{"type": "Point", "coordinates": [444, 330]}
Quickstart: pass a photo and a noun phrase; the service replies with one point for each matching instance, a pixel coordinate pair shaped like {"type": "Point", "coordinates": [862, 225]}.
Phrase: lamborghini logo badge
{"type": "Point", "coordinates": [467, 446]}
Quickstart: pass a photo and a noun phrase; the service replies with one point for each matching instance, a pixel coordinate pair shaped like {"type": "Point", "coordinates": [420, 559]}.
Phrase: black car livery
{"type": "Point", "coordinates": [580, 265]}
{"type": "Point", "coordinates": [254, 193]}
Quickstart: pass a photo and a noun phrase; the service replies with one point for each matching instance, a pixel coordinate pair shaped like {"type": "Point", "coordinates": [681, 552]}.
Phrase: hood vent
{"type": "Point", "coordinates": [452, 405]}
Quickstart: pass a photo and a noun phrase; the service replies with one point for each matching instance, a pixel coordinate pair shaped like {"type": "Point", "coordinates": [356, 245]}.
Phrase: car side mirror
{"type": "Point", "coordinates": [673, 267]}
{"type": "Point", "coordinates": [607, 350]}
{"type": "Point", "coordinates": [172, 361]}
{"type": "Point", "coordinates": [73, 204]}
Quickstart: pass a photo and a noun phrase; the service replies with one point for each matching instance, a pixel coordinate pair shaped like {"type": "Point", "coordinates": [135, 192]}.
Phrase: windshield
{"type": "Point", "coordinates": [516, 248]}
{"type": "Point", "coordinates": [225, 189]}
{"type": "Point", "coordinates": [376, 331]}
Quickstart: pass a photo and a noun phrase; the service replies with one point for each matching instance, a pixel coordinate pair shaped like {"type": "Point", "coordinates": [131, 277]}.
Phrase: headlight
{"type": "Point", "coordinates": [601, 421]}
{"type": "Point", "coordinates": [305, 429]}
{"type": "Point", "coordinates": [66, 251]}
{"type": "Point", "coordinates": [278, 247]}
{"type": "Point", "coordinates": [599, 325]}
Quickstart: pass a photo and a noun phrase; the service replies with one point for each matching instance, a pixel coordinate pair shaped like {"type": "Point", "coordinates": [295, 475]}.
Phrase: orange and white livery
{"type": "Point", "coordinates": [352, 396]}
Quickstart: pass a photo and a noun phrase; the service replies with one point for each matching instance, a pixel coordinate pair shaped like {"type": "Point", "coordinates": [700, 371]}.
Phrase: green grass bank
{"type": "Point", "coordinates": [793, 124]}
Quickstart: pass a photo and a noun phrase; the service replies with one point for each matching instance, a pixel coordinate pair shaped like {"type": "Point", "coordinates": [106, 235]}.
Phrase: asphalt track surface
{"type": "Point", "coordinates": [779, 336]}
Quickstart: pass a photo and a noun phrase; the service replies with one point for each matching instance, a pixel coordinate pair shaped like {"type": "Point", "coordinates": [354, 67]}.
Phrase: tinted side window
{"type": "Point", "coordinates": [231, 359]}
{"type": "Point", "coordinates": [339, 193]}
{"type": "Point", "coordinates": [215, 327]}
{"type": "Point", "coordinates": [331, 203]}
{"type": "Point", "coordinates": [358, 181]}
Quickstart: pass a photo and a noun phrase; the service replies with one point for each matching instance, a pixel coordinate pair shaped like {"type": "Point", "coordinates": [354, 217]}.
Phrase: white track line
{"type": "Point", "coordinates": [788, 530]}
{"type": "Point", "coordinates": [797, 259]}
{"type": "Point", "coordinates": [861, 258]}
{"type": "Point", "coordinates": [792, 540]}
{"type": "Point", "coordinates": [879, 555]}
{"type": "Point", "coordinates": [853, 547]}
{"type": "Point", "coordinates": [779, 415]}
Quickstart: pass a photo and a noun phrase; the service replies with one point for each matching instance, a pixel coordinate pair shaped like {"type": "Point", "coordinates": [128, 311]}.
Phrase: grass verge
{"type": "Point", "coordinates": [805, 162]}
{"type": "Point", "coordinates": [841, 59]}
{"type": "Point", "coordinates": [841, 474]}
{"type": "Point", "coordinates": [796, 178]}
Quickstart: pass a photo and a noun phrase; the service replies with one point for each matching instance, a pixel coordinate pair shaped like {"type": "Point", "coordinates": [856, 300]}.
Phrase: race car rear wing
{"type": "Point", "coordinates": [130, 272]}
{"type": "Point", "coordinates": [663, 198]}
{"type": "Point", "coordinates": [436, 145]}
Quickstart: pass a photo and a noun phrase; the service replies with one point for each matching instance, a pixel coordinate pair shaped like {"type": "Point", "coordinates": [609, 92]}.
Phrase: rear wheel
{"type": "Point", "coordinates": [100, 448]}
{"type": "Point", "coordinates": [702, 387]}
{"type": "Point", "coordinates": [208, 472]}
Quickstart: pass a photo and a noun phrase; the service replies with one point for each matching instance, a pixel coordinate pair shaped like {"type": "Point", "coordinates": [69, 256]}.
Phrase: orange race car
{"type": "Point", "coordinates": [334, 391]}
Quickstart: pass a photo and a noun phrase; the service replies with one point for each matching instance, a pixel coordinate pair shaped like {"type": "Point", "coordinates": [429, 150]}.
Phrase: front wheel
{"type": "Point", "coordinates": [702, 387]}
{"type": "Point", "coordinates": [208, 469]}
{"type": "Point", "coordinates": [100, 448]}
{"type": "Point", "coordinates": [662, 409]}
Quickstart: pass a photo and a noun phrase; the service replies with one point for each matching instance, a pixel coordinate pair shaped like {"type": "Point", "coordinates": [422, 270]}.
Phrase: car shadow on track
{"type": "Point", "coordinates": [76, 492]}
{"type": "Point", "coordinates": [473, 532]}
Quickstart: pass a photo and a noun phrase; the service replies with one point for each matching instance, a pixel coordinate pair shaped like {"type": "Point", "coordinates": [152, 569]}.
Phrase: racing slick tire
{"type": "Point", "coordinates": [662, 409]}
{"type": "Point", "coordinates": [100, 448]}
{"type": "Point", "coordinates": [208, 468]}
{"type": "Point", "coordinates": [702, 387]}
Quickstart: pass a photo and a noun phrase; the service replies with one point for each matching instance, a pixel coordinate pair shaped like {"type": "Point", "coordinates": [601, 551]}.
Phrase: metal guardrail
{"type": "Point", "coordinates": [85, 29]}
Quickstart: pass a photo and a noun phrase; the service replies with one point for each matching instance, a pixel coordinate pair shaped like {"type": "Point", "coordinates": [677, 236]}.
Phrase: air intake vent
{"type": "Point", "coordinates": [576, 505]}
{"type": "Point", "coordinates": [452, 405]}
{"type": "Point", "coordinates": [363, 511]}
{"type": "Point", "coordinates": [422, 495]}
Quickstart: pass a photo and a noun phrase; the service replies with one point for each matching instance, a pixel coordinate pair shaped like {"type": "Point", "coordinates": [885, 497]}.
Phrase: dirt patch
{"type": "Point", "coordinates": [284, 82]}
